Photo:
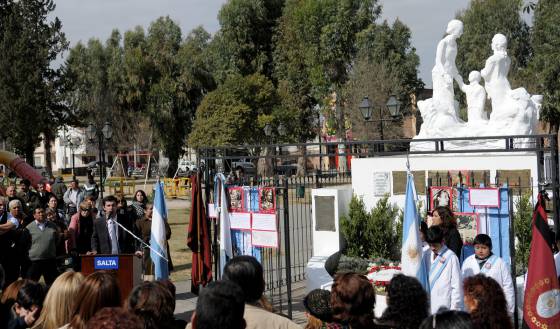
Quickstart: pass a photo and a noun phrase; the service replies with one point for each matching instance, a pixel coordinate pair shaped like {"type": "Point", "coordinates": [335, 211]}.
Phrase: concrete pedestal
{"type": "Point", "coordinates": [364, 170]}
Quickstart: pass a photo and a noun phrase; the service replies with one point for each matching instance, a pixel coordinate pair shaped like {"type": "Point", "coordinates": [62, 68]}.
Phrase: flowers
{"type": "Point", "coordinates": [380, 273]}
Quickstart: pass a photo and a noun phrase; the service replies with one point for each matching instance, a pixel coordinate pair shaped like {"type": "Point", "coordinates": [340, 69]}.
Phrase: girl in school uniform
{"type": "Point", "coordinates": [444, 273]}
{"type": "Point", "coordinates": [485, 262]}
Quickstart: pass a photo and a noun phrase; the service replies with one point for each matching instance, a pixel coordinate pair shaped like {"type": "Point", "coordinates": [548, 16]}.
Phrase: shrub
{"type": "Point", "coordinates": [374, 234]}
{"type": "Point", "coordinates": [522, 219]}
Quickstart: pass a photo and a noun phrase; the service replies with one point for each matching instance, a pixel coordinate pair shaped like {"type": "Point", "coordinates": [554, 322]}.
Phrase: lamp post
{"type": "Point", "coordinates": [366, 109]}
{"type": "Point", "coordinates": [268, 133]}
{"type": "Point", "coordinates": [103, 134]}
{"type": "Point", "coordinates": [73, 142]}
{"type": "Point", "coordinates": [282, 131]}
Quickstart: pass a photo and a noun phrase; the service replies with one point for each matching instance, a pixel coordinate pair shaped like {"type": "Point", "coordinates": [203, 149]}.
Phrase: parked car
{"type": "Point", "coordinates": [186, 168]}
{"type": "Point", "coordinates": [247, 166]}
{"type": "Point", "coordinates": [42, 171]}
{"type": "Point", "coordinates": [287, 168]}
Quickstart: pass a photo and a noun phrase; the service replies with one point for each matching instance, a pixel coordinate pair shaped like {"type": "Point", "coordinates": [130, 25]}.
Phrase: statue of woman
{"type": "Point", "coordinates": [495, 73]}
{"type": "Point", "coordinates": [445, 70]}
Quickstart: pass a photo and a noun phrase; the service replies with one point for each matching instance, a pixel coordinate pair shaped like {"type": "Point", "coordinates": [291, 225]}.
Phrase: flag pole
{"type": "Point", "coordinates": [144, 244]}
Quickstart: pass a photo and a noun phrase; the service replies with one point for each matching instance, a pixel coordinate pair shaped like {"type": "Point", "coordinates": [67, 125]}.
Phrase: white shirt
{"type": "Point", "coordinates": [13, 220]}
{"type": "Point", "coordinates": [447, 291]}
{"type": "Point", "coordinates": [41, 226]}
{"type": "Point", "coordinates": [498, 271]}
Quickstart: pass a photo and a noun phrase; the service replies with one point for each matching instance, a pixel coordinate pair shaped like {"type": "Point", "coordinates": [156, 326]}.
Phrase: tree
{"type": "Point", "coordinates": [235, 113]}
{"type": "Point", "coordinates": [545, 68]}
{"type": "Point", "coordinates": [29, 86]}
{"type": "Point", "coordinates": [179, 76]}
{"type": "Point", "coordinates": [387, 65]}
{"type": "Point", "coordinates": [482, 20]}
{"type": "Point", "coordinates": [244, 43]}
{"type": "Point", "coordinates": [316, 46]}
{"type": "Point", "coordinates": [166, 100]}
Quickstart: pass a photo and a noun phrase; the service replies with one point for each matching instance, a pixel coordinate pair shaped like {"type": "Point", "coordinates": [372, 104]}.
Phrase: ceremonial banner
{"type": "Point", "coordinates": [541, 308]}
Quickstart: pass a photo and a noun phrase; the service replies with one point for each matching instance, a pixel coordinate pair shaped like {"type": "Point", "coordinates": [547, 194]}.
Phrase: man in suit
{"type": "Point", "coordinates": [108, 237]}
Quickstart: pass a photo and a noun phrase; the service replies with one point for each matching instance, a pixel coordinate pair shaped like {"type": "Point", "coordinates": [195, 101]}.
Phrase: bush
{"type": "Point", "coordinates": [374, 234]}
{"type": "Point", "coordinates": [522, 220]}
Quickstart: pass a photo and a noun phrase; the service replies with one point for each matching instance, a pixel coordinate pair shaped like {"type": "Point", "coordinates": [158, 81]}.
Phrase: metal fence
{"type": "Point", "coordinates": [317, 165]}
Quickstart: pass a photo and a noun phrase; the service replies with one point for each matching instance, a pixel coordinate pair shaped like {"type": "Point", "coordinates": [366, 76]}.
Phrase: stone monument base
{"type": "Point", "coordinates": [366, 172]}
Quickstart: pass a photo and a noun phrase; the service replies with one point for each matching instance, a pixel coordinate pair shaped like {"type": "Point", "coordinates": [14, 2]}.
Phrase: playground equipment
{"type": "Point", "coordinates": [177, 187]}
{"type": "Point", "coordinates": [20, 167]}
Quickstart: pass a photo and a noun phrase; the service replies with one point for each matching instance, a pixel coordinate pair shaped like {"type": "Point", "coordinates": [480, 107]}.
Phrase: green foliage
{"type": "Point", "coordinates": [155, 77]}
{"type": "Point", "coordinates": [371, 234]}
{"type": "Point", "coordinates": [316, 45]}
{"type": "Point", "coordinates": [235, 113]}
{"type": "Point", "coordinates": [545, 67]}
{"type": "Point", "coordinates": [482, 20]}
{"type": "Point", "coordinates": [29, 87]}
{"type": "Point", "coordinates": [522, 219]}
{"type": "Point", "coordinates": [352, 264]}
{"type": "Point", "coordinates": [244, 43]}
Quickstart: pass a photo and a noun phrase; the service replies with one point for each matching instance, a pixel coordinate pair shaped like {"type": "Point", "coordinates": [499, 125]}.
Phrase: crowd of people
{"type": "Point", "coordinates": [43, 233]}
{"type": "Point", "coordinates": [38, 233]}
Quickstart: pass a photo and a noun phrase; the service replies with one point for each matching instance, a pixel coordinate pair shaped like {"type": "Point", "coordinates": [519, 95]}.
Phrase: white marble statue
{"type": "Point", "coordinates": [514, 112]}
{"type": "Point", "coordinates": [495, 73]}
{"type": "Point", "coordinates": [445, 70]}
{"type": "Point", "coordinates": [476, 98]}
{"type": "Point", "coordinates": [441, 111]}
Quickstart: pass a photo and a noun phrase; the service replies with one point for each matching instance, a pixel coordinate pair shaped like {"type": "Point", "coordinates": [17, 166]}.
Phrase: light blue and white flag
{"type": "Point", "coordinates": [158, 240]}
{"type": "Point", "coordinates": [221, 206]}
{"type": "Point", "coordinates": [411, 252]}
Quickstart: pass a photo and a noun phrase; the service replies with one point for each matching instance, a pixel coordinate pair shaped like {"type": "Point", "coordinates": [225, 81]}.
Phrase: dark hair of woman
{"type": "Point", "coordinates": [153, 303]}
{"type": "Point", "coordinates": [448, 320]}
{"type": "Point", "coordinates": [407, 302]}
{"type": "Point", "coordinates": [353, 300]}
{"type": "Point", "coordinates": [99, 289]}
{"type": "Point", "coordinates": [114, 318]}
{"type": "Point", "coordinates": [145, 197]}
{"type": "Point", "coordinates": [489, 302]}
{"type": "Point", "coordinates": [447, 218]}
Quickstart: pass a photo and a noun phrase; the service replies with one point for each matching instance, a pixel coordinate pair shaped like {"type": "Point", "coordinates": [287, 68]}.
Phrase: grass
{"type": "Point", "coordinates": [180, 253]}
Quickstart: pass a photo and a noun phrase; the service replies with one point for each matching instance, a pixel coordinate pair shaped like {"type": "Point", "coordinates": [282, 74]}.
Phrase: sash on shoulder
{"type": "Point", "coordinates": [489, 263]}
{"type": "Point", "coordinates": [438, 265]}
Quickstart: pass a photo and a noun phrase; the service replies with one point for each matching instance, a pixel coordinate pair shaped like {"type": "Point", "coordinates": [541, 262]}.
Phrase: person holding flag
{"type": "Point", "coordinates": [158, 239]}
{"type": "Point", "coordinates": [411, 251]}
{"type": "Point", "coordinates": [446, 286]}
{"type": "Point", "coordinates": [541, 307]}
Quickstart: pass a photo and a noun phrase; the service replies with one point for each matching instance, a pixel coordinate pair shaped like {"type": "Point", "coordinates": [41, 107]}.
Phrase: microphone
{"type": "Point", "coordinates": [141, 241]}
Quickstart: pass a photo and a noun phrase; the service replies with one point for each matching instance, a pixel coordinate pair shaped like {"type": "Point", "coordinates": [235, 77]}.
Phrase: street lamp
{"type": "Point", "coordinates": [267, 130]}
{"type": "Point", "coordinates": [103, 134]}
{"type": "Point", "coordinates": [366, 109]}
{"type": "Point", "coordinates": [73, 142]}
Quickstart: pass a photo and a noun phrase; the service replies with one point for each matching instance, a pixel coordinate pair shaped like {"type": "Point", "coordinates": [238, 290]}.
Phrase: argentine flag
{"type": "Point", "coordinates": [411, 252]}
{"type": "Point", "coordinates": [158, 241]}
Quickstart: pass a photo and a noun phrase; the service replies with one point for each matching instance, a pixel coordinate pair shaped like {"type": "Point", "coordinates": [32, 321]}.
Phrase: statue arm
{"type": "Point", "coordinates": [485, 72]}
{"type": "Point", "coordinates": [440, 54]}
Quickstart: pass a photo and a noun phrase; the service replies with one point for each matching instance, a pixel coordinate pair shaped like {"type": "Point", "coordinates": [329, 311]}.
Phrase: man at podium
{"type": "Point", "coordinates": [108, 237]}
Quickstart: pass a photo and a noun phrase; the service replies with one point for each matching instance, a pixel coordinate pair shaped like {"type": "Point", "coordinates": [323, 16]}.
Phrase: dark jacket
{"type": "Point", "coordinates": [453, 241]}
{"type": "Point", "coordinates": [101, 242]}
{"type": "Point", "coordinates": [44, 198]}
{"type": "Point", "coordinates": [58, 189]}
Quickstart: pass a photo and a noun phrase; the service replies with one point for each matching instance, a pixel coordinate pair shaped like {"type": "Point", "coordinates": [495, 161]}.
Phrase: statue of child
{"type": "Point", "coordinates": [476, 98]}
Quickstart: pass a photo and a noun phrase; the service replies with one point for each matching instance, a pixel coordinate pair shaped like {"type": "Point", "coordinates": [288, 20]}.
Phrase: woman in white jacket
{"type": "Point", "coordinates": [484, 262]}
